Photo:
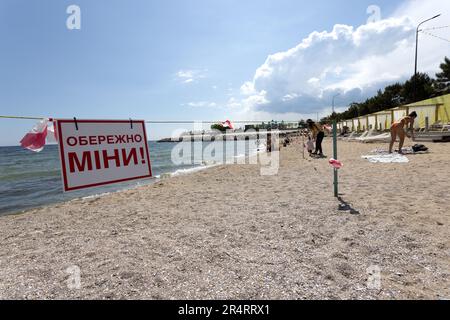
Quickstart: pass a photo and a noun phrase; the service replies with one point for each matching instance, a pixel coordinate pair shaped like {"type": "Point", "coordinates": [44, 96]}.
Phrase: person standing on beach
{"type": "Point", "coordinates": [398, 129]}
{"type": "Point", "coordinates": [269, 142]}
{"type": "Point", "coordinates": [318, 134]}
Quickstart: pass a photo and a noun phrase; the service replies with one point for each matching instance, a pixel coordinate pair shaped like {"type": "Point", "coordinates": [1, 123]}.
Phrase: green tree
{"type": "Point", "coordinates": [352, 112]}
{"type": "Point", "coordinates": [363, 109]}
{"type": "Point", "coordinates": [443, 78]}
{"type": "Point", "coordinates": [420, 87]}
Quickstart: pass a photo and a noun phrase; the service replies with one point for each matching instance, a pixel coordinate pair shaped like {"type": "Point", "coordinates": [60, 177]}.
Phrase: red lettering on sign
{"type": "Point", "coordinates": [83, 141]}
{"type": "Point", "coordinates": [111, 139]}
{"type": "Point", "coordinates": [120, 139]}
{"type": "Point", "coordinates": [86, 160]}
{"type": "Point", "coordinates": [142, 155]}
{"type": "Point", "coordinates": [101, 139]}
{"type": "Point", "coordinates": [107, 158]}
{"type": "Point", "coordinates": [127, 159]}
{"type": "Point", "coordinates": [92, 140]}
{"type": "Point", "coordinates": [98, 164]}
{"type": "Point", "coordinates": [69, 139]}
{"type": "Point", "coordinates": [89, 159]}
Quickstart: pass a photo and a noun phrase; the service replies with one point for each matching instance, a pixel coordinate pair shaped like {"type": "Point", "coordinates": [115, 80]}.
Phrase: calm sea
{"type": "Point", "coordinates": [29, 180]}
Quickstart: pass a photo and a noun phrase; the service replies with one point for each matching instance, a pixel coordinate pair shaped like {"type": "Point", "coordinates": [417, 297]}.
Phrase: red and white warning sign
{"type": "Point", "coordinates": [99, 152]}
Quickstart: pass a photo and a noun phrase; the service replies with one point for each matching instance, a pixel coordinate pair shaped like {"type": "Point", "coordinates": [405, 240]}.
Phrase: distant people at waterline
{"type": "Point", "coordinates": [317, 134]}
{"type": "Point", "coordinates": [400, 128]}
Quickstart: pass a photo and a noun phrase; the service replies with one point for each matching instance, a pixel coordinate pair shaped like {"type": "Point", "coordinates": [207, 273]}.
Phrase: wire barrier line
{"type": "Point", "coordinates": [213, 122]}
{"type": "Point", "coordinates": [155, 122]}
{"type": "Point", "coordinates": [435, 36]}
{"type": "Point", "coordinates": [435, 28]}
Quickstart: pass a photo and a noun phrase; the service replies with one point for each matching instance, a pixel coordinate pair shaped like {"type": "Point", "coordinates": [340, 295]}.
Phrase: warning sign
{"type": "Point", "coordinates": [99, 152]}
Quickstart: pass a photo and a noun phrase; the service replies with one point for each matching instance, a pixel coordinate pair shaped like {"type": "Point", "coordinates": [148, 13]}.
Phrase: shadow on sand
{"type": "Point", "coordinates": [345, 206]}
{"type": "Point", "coordinates": [317, 156]}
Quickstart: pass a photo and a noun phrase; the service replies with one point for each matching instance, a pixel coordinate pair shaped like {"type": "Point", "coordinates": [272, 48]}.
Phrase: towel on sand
{"type": "Point", "coordinates": [387, 158]}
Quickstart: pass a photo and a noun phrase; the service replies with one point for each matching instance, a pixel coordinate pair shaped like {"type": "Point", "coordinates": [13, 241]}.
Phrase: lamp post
{"type": "Point", "coordinates": [336, 191]}
{"type": "Point", "coordinates": [334, 97]}
{"type": "Point", "coordinates": [417, 48]}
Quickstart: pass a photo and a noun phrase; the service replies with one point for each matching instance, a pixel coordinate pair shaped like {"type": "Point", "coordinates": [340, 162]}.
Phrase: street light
{"type": "Point", "coordinates": [417, 48]}
{"type": "Point", "coordinates": [336, 192]}
{"type": "Point", "coordinates": [334, 97]}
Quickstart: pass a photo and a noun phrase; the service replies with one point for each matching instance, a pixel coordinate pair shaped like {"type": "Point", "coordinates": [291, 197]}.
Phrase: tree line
{"type": "Point", "coordinates": [418, 87]}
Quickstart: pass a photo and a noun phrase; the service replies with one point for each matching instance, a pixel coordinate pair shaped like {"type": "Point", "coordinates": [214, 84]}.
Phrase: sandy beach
{"type": "Point", "coordinates": [230, 233]}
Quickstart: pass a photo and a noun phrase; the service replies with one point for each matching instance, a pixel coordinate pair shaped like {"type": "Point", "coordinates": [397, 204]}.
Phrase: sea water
{"type": "Point", "coordinates": [29, 179]}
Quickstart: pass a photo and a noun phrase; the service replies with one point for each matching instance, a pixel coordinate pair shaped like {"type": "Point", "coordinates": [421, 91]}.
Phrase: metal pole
{"type": "Point", "coordinates": [336, 182]}
{"type": "Point", "coordinates": [335, 155]}
{"type": "Point", "coordinates": [417, 49]}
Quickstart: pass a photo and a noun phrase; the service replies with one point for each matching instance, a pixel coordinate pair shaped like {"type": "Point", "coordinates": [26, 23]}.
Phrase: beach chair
{"type": "Point", "coordinates": [437, 126]}
{"type": "Point", "coordinates": [380, 137]}
{"type": "Point", "coordinates": [352, 136]}
{"type": "Point", "coordinates": [363, 136]}
{"type": "Point", "coordinates": [446, 127]}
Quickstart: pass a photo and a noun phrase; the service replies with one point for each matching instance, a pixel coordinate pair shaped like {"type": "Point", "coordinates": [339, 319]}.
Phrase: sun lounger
{"type": "Point", "coordinates": [383, 137]}
{"type": "Point", "coordinates": [352, 136]}
{"type": "Point", "coordinates": [357, 136]}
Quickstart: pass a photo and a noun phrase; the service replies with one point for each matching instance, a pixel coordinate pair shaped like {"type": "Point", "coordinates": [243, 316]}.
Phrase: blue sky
{"type": "Point", "coordinates": [156, 60]}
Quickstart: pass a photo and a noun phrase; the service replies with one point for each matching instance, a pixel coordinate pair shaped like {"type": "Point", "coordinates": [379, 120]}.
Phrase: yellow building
{"type": "Point", "coordinates": [437, 110]}
{"type": "Point", "coordinates": [383, 120]}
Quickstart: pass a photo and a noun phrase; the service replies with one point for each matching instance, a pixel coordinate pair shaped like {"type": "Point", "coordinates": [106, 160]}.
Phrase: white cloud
{"type": "Point", "coordinates": [354, 61]}
{"type": "Point", "coordinates": [190, 76]}
{"type": "Point", "coordinates": [233, 103]}
{"type": "Point", "coordinates": [247, 88]}
{"type": "Point", "coordinates": [289, 97]}
{"type": "Point", "coordinates": [201, 104]}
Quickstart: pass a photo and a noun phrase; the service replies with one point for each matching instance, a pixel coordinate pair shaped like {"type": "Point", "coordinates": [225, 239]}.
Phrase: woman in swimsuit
{"type": "Point", "coordinates": [398, 129]}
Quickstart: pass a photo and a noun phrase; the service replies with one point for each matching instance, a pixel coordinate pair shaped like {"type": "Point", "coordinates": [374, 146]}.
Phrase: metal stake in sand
{"type": "Point", "coordinates": [336, 189]}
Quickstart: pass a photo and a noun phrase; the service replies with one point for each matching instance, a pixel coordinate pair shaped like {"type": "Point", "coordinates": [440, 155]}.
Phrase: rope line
{"type": "Point", "coordinates": [213, 122]}
{"type": "Point", "coordinates": [156, 122]}
{"type": "Point", "coordinates": [22, 118]}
